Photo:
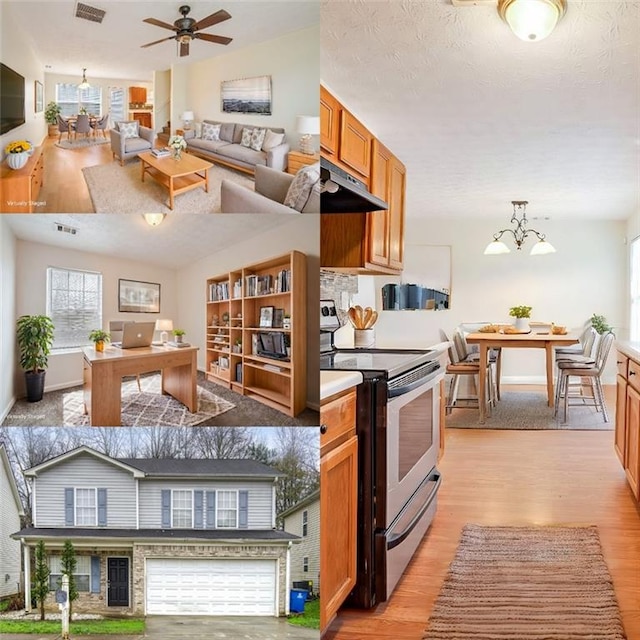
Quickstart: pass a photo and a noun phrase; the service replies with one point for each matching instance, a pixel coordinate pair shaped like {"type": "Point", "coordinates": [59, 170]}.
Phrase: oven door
{"type": "Point", "coordinates": [412, 440]}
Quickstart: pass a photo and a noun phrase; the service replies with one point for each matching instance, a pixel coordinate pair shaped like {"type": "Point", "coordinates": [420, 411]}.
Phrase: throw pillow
{"type": "Point", "coordinates": [272, 140]}
{"type": "Point", "coordinates": [210, 131]}
{"type": "Point", "coordinates": [257, 138]}
{"type": "Point", "coordinates": [246, 137]}
{"type": "Point", "coordinates": [128, 129]}
{"type": "Point", "coordinates": [301, 187]}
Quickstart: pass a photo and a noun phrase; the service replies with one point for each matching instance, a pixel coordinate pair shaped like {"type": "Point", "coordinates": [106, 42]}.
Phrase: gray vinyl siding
{"type": "Point", "coordinates": [260, 515]}
{"type": "Point", "coordinates": [10, 558]}
{"type": "Point", "coordinates": [86, 471]}
{"type": "Point", "coordinates": [309, 546]}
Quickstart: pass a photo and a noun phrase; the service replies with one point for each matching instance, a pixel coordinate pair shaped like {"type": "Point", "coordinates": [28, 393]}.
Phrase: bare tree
{"type": "Point", "coordinates": [221, 442]}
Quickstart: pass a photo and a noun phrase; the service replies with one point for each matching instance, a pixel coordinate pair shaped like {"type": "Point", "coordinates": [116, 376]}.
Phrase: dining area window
{"type": "Point", "coordinates": [71, 100]}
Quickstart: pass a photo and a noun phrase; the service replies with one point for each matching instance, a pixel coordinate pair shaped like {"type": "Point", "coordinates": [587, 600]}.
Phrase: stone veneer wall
{"type": "Point", "coordinates": [143, 551]}
{"type": "Point", "coordinates": [332, 284]}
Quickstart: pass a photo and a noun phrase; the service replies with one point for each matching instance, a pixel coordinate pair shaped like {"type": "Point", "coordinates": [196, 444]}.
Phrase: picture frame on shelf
{"type": "Point", "coordinates": [138, 297]}
{"type": "Point", "coordinates": [278, 316]}
{"type": "Point", "coordinates": [266, 317]}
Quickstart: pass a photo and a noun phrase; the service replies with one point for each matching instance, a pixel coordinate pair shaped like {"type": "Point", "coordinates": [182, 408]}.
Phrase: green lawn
{"type": "Point", "coordinates": [82, 627]}
{"type": "Point", "coordinates": [311, 616]}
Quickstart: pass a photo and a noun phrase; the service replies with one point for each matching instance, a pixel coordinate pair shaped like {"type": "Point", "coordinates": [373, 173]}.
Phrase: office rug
{"type": "Point", "coordinates": [529, 410]}
{"type": "Point", "coordinates": [149, 408]}
{"type": "Point", "coordinates": [533, 583]}
{"type": "Point", "coordinates": [81, 143]}
{"type": "Point", "coordinates": [117, 189]}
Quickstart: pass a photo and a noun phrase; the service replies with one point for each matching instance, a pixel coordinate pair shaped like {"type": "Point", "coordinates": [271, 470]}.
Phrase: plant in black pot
{"type": "Point", "coordinates": [35, 337]}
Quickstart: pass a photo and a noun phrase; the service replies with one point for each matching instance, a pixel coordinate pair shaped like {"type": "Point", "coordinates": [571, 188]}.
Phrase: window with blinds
{"type": "Point", "coordinates": [70, 99]}
{"type": "Point", "coordinates": [116, 104]}
{"type": "Point", "coordinates": [74, 303]}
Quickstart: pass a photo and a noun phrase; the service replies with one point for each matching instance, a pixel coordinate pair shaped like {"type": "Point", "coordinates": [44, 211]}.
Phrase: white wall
{"type": "Point", "coordinates": [292, 61]}
{"type": "Point", "coordinates": [65, 369]}
{"type": "Point", "coordinates": [162, 98]}
{"type": "Point", "coordinates": [301, 234]}
{"type": "Point", "coordinates": [18, 55]}
{"type": "Point", "coordinates": [8, 360]}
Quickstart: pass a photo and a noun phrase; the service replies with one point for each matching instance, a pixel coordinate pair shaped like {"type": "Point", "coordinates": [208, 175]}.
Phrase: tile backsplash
{"type": "Point", "coordinates": [340, 287]}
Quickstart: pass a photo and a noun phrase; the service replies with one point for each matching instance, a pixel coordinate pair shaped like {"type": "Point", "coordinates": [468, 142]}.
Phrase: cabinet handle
{"type": "Point", "coordinates": [323, 429]}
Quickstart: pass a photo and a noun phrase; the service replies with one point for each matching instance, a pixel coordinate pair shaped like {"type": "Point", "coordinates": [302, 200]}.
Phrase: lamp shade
{"type": "Point", "coordinates": [541, 248]}
{"type": "Point", "coordinates": [164, 325]}
{"type": "Point", "coordinates": [532, 20]}
{"type": "Point", "coordinates": [187, 115]}
{"type": "Point", "coordinates": [496, 248]}
{"type": "Point", "coordinates": [308, 125]}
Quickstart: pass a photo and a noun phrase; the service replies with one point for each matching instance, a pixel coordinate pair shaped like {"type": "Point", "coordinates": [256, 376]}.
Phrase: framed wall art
{"type": "Point", "coordinates": [247, 95]}
{"type": "Point", "coordinates": [38, 97]}
{"type": "Point", "coordinates": [138, 297]}
{"type": "Point", "coordinates": [266, 317]}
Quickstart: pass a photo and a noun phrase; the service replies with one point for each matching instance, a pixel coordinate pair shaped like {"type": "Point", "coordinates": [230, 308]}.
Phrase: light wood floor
{"type": "Point", "coordinates": [516, 478]}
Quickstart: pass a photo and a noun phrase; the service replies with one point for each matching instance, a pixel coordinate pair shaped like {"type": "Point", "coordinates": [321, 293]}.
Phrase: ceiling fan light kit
{"type": "Point", "coordinates": [532, 20]}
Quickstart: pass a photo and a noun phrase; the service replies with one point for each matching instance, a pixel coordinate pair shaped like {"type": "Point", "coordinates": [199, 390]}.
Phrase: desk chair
{"type": "Point", "coordinates": [116, 329]}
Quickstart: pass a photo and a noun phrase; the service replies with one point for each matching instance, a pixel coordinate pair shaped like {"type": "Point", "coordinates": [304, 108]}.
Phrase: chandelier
{"type": "Point", "coordinates": [519, 233]}
{"type": "Point", "coordinates": [532, 20]}
{"type": "Point", "coordinates": [84, 84]}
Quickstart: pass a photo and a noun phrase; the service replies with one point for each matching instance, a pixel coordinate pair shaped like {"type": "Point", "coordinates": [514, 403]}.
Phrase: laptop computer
{"type": "Point", "coordinates": [136, 334]}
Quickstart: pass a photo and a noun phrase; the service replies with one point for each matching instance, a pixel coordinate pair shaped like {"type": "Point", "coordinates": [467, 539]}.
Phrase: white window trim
{"type": "Point", "coordinates": [192, 505]}
{"type": "Point", "coordinates": [237, 492]}
{"type": "Point", "coordinates": [76, 572]}
{"type": "Point", "coordinates": [75, 506]}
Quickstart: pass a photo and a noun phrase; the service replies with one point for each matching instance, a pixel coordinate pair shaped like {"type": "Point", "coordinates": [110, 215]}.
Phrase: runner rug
{"type": "Point", "coordinates": [527, 583]}
{"type": "Point", "coordinates": [149, 407]}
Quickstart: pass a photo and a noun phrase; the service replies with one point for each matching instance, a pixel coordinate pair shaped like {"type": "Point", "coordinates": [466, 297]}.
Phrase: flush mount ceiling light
{"type": "Point", "coordinates": [84, 84]}
{"type": "Point", "coordinates": [520, 233]}
{"type": "Point", "coordinates": [532, 20]}
{"type": "Point", "coordinates": [153, 219]}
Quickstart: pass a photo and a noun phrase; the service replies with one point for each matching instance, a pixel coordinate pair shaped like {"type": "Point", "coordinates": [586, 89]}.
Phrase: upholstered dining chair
{"type": "Point", "coordinates": [82, 125]}
{"type": "Point", "coordinates": [101, 125]}
{"type": "Point", "coordinates": [63, 127]}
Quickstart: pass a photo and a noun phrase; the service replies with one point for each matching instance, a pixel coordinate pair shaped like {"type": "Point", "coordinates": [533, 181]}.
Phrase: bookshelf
{"type": "Point", "coordinates": [266, 297]}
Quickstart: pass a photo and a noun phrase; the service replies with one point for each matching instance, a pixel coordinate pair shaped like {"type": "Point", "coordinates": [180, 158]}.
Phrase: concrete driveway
{"type": "Point", "coordinates": [230, 628]}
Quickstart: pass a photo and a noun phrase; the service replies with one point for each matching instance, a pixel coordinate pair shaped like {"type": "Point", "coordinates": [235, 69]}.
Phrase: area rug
{"type": "Point", "coordinates": [81, 143]}
{"type": "Point", "coordinates": [149, 408]}
{"type": "Point", "coordinates": [533, 583]}
{"type": "Point", "coordinates": [529, 410]}
{"type": "Point", "coordinates": [117, 189]}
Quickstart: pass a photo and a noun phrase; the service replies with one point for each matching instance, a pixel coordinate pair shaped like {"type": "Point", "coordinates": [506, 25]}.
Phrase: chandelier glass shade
{"type": "Point", "coordinates": [84, 84]}
{"type": "Point", "coordinates": [532, 20]}
{"type": "Point", "coordinates": [520, 233]}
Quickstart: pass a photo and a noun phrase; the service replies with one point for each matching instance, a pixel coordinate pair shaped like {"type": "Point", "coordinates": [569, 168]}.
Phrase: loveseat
{"type": "Point", "coordinates": [229, 150]}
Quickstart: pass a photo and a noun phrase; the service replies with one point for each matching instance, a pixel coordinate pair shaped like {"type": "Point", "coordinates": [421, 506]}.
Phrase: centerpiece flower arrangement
{"type": "Point", "coordinates": [18, 153]}
{"type": "Point", "coordinates": [178, 144]}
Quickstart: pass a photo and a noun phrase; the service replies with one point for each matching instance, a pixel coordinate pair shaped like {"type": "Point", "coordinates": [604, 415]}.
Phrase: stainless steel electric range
{"type": "Point", "coordinates": [398, 410]}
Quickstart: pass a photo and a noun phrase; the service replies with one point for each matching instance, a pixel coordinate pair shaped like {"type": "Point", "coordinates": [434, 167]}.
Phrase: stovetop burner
{"type": "Point", "coordinates": [387, 362]}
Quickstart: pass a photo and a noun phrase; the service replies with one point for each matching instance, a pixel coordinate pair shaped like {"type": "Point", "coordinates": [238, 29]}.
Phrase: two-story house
{"type": "Point", "coordinates": [158, 536]}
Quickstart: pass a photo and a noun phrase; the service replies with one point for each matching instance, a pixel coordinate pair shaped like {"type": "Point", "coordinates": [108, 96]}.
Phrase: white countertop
{"type": "Point", "coordinates": [332, 382]}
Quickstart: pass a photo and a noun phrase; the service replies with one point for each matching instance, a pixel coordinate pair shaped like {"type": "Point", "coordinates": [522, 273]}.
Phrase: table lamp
{"type": "Point", "coordinates": [163, 326]}
{"type": "Point", "coordinates": [187, 118]}
{"type": "Point", "coordinates": [308, 126]}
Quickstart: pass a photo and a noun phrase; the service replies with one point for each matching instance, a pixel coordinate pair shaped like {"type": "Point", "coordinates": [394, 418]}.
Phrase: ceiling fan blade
{"type": "Point", "coordinates": [214, 18]}
{"type": "Point", "coordinates": [211, 38]}
{"type": "Point", "coordinates": [157, 42]}
{"type": "Point", "coordinates": [184, 49]}
{"type": "Point", "coordinates": [159, 23]}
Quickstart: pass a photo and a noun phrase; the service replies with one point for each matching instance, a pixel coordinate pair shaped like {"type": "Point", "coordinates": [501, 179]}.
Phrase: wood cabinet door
{"type": "Point", "coordinates": [355, 145]}
{"type": "Point", "coordinates": [378, 221]}
{"type": "Point", "coordinates": [633, 439]}
{"type": "Point", "coordinates": [338, 526]}
{"type": "Point", "coordinates": [329, 122]}
{"type": "Point", "coordinates": [138, 95]}
{"type": "Point", "coordinates": [396, 214]}
{"type": "Point", "coordinates": [620, 441]}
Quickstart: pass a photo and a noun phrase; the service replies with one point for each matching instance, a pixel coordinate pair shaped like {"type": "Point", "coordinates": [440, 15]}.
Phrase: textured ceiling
{"type": "Point", "coordinates": [112, 49]}
{"type": "Point", "coordinates": [178, 241]}
{"type": "Point", "coordinates": [481, 118]}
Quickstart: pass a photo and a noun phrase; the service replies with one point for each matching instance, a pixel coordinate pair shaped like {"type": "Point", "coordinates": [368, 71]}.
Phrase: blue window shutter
{"type": "Point", "coordinates": [197, 510]}
{"type": "Point", "coordinates": [211, 509]}
{"type": "Point", "coordinates": [166, 508]}
{"type": "Point", "coordinates": [95, 574]}
{"type": "Point", "coordinates": [102, 507]}
{"type": "Point", "coordinates": [69, 511]}
{"type": "Point", "coordinates": [243, 510]}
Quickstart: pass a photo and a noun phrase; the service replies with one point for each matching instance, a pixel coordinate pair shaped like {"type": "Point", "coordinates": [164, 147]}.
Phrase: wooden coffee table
{"type": "Point", "coordinates": [178, 176]}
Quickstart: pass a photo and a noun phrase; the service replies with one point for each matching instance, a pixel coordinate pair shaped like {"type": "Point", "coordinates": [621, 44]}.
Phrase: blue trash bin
{"type": "Point", "coordinates": [297, 599]}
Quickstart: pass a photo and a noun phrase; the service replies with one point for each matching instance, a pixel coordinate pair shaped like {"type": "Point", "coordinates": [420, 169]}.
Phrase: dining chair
{"type": "Point", "coordinates": [82, 125]}
{"type": "Point", "coordinates": [116, 328]}
{"type": "Point", "coordinates": [466, 354]}
{"type": "Point", "coordinates": [588, 373]}
{"type": "Point", "coordinates": [585, 342]}
{"type": "Point", "coordinates": [63, 127]}
{"type": "Point", "coordinates": [101, 125]}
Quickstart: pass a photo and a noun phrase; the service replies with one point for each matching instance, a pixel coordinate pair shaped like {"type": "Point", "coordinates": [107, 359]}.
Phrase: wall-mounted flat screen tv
{"type": "Point", "coordinates": [11, 99]}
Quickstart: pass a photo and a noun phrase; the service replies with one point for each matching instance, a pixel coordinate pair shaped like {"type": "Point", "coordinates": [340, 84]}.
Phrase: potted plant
{"type": "Point", "coordinates": [522, 314]}
{"type": "Point", "coordinates": [99, 337]}
{"type": "Point", "coordinates": [35, 337]}
{"type": "Point", "coordinates": [178, 333]}
{"type": "Point", "coordinates": [600, 324]}
{"type": "Point", "coordinates": [178, 144]}
{"type": "Point", "coordinates": [51, 114]}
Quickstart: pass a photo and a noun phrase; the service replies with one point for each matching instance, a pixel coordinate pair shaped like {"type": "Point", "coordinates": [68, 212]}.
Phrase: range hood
{"type": "Point", "coordinates": [342, 193]}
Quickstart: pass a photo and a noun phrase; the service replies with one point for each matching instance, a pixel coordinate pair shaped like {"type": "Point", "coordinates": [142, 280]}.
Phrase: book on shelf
{"type": "Point", "coordinates": [178, 345]}
{"type": "Point", "coordinates": [272, 367]}
{"type": "Point", "coordinates": [218, 291]}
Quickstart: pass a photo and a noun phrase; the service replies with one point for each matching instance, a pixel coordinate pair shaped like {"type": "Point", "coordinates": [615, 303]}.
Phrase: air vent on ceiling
{"type": "Point", "coordinates": [63, 228]}
{"type": "Point", "coordinates": [86, 12]}
{"type": "Point", "coordinates": [472, 3]}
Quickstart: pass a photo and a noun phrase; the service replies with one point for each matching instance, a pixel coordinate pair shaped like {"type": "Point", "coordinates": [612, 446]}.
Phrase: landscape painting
{"type": "Point", "coordinates": [247, 95]}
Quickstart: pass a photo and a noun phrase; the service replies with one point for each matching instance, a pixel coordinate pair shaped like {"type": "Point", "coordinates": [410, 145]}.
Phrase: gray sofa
{"type": "Point", "coordinates": [230, 152]}
{"type": "Point", "coordinates": [125, 148]}
{"type": "Point", "coordinates": [270, 192]}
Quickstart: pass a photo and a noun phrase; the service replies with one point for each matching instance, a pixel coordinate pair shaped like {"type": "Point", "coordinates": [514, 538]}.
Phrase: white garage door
{"type": "Point", "coordinates": [211, 587]}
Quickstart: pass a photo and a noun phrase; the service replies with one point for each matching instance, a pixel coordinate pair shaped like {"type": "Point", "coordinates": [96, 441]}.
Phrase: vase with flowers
{"type": "Point", "coordinates": [18, 153]}
{"type": "Point", "coordinates": [177, 144]}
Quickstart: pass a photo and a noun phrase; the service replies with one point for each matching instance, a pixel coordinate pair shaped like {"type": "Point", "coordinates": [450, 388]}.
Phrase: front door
{"type": "Point", "coordinates": [118, 582]}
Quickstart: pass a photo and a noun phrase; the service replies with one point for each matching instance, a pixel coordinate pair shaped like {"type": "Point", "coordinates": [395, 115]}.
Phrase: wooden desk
{"type": "Point", "coordinates": [103, 374]}
{"type": "Point", "coordinates": [532, 340]}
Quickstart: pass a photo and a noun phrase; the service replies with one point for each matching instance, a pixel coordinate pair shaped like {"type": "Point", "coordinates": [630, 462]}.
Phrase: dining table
{"type": "Point", "coordinates": [530, 340]}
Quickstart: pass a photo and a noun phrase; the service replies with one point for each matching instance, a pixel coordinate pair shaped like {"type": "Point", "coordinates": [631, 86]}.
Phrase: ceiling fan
{"type": "Point", "coordinates": [186, 29]}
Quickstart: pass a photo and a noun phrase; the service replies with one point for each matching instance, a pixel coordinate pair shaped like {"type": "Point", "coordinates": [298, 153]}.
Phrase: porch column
{"type": "Point", "coordinates": [26, 558]}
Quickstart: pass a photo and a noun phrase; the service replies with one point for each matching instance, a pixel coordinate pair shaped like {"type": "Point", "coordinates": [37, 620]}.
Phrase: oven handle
{"type": "Point", "coordinates": [400, 391]}
{"type": "Point", "coordinates": [398, 538]}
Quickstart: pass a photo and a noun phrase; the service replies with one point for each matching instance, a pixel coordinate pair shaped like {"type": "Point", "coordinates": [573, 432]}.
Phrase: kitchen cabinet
{"type": "Point", "coordinates": [138, 95]}
{"type": "Point", "coordinates": [329, 124]}
{"type": "Point", "coordinates": [620, 441]}
{"type": "Point", "coordinates": [143, 117]}
{"type": "Point", "coordinates": [354, 149]}
{"type": "Point", "coordinates": [338, 502]}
